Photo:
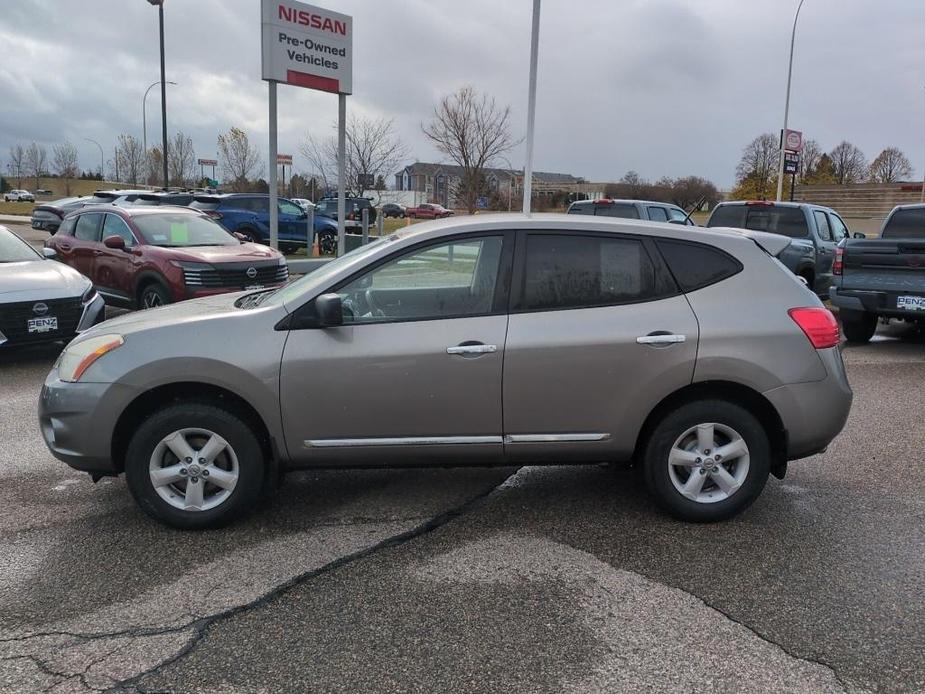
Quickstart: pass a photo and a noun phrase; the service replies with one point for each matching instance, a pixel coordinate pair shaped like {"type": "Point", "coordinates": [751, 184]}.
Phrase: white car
{"type": "Point", "coordinates": [42, 300]}
{"type": "Point", "coordinates": [303, 203]}
{"type": "Point", "coordinates": [19, 196]}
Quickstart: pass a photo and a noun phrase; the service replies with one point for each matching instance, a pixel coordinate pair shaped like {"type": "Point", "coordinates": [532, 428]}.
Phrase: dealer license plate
{"type": "Point", "coordinates": [44, 324]}
{"type": "Point", "coordinates": [910, 303]}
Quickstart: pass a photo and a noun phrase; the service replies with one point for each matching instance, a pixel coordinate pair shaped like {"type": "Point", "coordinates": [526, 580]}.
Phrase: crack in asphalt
{"type": "Point", "coordinates": [202, 626]}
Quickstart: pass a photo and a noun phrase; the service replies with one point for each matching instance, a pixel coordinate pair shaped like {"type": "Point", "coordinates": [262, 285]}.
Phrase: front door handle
{"type": "Point", "coordinates": [660, 339]}
{"type": "Point", "coordinates": [472, 349]}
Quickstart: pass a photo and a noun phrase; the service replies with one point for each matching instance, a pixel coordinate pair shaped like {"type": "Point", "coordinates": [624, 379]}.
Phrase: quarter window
{"type": "Point", "coordinates": [450, 280]}
{"type": "Point", "coordinates": [88, 227]}
{"type": "Point", "coordinates": [695, 265]}
{"type": "Point", "coordinates": [577, 271]}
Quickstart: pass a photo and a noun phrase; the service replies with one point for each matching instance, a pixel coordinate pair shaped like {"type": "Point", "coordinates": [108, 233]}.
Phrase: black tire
{"type": "Point", "coordinates": [401, 215]}
{"type": "Point", "coordinates": [327, 243]}
{"type": "Point", "coordinates": [858, 326]}
{"type": "Point", "coordinates": [153, 295]}
{"type": "Point", "coordinates": [673, 425]}
{"type": "Point", "coordinates": [202, 415]}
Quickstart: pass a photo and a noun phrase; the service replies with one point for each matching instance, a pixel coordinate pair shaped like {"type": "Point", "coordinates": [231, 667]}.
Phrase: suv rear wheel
{"type": "Point", "coordinates": [707, 460]}
{"type": "Point", "coordinates": [195, 465]}
{"type": "Point", "coordinates": [858, 326]}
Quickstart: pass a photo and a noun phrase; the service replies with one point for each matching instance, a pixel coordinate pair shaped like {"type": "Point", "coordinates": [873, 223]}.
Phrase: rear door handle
{"type": "Point", "coordinates": [663, 339]}
{"type": "Point", "coordinates": [472, 349]}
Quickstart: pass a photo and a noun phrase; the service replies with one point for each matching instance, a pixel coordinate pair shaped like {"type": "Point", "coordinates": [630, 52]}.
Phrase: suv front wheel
{"type": "Point", "coordinates": [707, 460]}
{"type": "Point", "coordinates": [195, 465]}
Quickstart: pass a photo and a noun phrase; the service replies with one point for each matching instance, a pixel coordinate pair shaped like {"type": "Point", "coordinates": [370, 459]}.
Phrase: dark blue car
{"type": "Point", "coordinates": [249, 214]}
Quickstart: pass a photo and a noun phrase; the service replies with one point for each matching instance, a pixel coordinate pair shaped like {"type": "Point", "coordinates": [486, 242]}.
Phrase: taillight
{"type": "Point", "coordinates": [818, 324]}
{"type": "Point", "coordinates": [839, 263]}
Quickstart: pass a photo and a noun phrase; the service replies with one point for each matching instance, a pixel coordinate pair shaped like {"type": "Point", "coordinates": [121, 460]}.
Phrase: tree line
{"type": "Point", "coordinates": [844, 164]}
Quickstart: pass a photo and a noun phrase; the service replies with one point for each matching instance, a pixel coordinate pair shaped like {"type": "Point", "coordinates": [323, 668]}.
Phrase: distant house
{"type": "Point", "coordinates": [439, 183]}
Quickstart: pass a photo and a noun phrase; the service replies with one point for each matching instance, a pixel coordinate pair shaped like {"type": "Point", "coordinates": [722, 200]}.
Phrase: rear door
{"type": "Point", "coordinates": [598, 334]}
{"type": "Point", "coordinates": [86, 243]}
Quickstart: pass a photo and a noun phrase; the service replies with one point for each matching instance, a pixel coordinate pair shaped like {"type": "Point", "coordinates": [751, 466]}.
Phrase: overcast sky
{"type": "Point", "coordinates": [664, 87]}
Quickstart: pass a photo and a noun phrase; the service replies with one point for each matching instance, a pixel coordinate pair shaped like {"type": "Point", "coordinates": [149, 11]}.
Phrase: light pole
{"type": "Point", "coordinates": [783, 135]}
{"type": "Point", "coordinates": [160, 12]}
{"type": "Point", "coordinates": [101, 154]}
{"type": "Point", "coordinates": [144, 119]}
{"type": "Point", "coordinates": [531, 107]}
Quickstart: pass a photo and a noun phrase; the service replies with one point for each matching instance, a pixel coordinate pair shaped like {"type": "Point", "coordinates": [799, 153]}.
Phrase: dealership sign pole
{"type": "Point", "coordinates": [307, 46]}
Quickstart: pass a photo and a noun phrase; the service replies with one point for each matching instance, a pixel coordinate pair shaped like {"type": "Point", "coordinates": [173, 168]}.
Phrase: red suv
{"type": "Point", "coordinates": [148, 256]}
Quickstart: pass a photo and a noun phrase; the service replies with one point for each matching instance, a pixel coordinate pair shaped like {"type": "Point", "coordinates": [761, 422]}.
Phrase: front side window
{"type": "Point", "coordinates": [450, 280]}
{"type": "Point", "coordinates": [678, 215]}
{"type": "Point", "coordinates": [839, 228]}
{"type": "Point", "coordinates": [822, 225]}
{"type": "Point", "coordinates": [290, 209]}
{"type": "Point", "coordinates": [88, 227]}
{"type": "Point", "coordinates": [572, 271]}
{"type": "Point", "coordinates": [114, 226]}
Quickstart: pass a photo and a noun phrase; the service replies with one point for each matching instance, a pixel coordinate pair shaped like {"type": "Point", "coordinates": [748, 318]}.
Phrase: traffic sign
{"type": "Point", "coordinates": [793, 141]}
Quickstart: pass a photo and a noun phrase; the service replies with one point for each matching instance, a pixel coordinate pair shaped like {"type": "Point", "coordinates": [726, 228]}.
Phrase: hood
{"type": "Point", "coordinates": [172, 314]}
{"type": "Point", "coordinates": [240, 253]}
{"type": "Point", "coordinates": [772, 243]}
{"type": "Point", "coordinates": [39, 279]}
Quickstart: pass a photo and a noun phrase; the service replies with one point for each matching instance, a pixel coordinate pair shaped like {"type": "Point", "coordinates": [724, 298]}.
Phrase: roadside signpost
{"type": "Point", "coordinates": [284, 160]}
{"type": "Point", "coordinates": [207, 162]}
{"type": "Point", "coordinates": [307, 46]}
{"type": "Point", "coordinates": [791, 144]}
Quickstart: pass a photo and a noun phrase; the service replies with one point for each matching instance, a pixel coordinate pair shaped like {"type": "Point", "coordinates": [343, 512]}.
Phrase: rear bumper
{"type": "Point", "coordinates": [881, 303]}
{"type": "Point", "coordinates": [815, 412]}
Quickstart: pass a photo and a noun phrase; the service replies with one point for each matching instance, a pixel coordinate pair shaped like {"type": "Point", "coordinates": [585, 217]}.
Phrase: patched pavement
{"type": "Point", "coordinates": [537, 579]}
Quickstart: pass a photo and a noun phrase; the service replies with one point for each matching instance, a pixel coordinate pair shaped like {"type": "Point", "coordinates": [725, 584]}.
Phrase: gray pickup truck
{"type": "Point", "coordinates": [815, 232]}
{"type": "Point", "coordinates": [882, 277]}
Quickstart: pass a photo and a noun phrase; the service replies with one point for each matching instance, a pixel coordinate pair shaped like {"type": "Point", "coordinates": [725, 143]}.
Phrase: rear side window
{"type": "Point", "coordinates": [88, 227]}
{"type": "Point", "coordinates": [658, 214]}
{"type": "Point", "coordinates": [621, 211]}
{"type": "Point", "coordinates": [695, 265]}
{"type": "Point", "coordinates": [577, 271]}
{"type": "Point", "coordinates": [905, 224]}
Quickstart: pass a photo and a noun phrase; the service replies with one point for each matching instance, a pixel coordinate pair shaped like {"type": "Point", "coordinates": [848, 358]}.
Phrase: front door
{"type": "Point", "coordinates": [414, 374]}
{"type": "Point", "coordinates": [113, 267]}
{"type": "Point", "coordinates": [598, 335]}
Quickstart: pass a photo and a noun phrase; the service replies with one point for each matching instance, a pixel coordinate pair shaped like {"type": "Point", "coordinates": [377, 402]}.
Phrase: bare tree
{"type": "Point", "coordinates": [181, 160]}
{"type": "Point", "coordinates": [891, 165]}
{"type": "Point", "coordinates": [472, 130]}
{"type": "Point", "coordinates": [373, 149]}
{"type": "Point", "coordinates": [809, 158]}
{"type": "Point", "coordinates": [849, 163]}
{"type": "Point", "coordinates": [758, 165]}
{"type": "Point", "coordinates": [17, 163]}
{"type": "Point", "coordinates": [240, 161]}
{"type": "Point", "coordinates": [65, 162]}
{"type": "Point", "coordinates": [35, 159]}
{"type": "Point", "coordinates": [129, 159]}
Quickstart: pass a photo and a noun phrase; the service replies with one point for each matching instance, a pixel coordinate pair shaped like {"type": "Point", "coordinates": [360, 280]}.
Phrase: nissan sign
{"type": "Point", "coordinates": [307, 46]}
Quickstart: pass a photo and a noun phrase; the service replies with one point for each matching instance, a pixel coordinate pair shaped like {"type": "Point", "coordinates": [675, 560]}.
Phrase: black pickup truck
{"type": "Point", "coordinates": [882, 277]}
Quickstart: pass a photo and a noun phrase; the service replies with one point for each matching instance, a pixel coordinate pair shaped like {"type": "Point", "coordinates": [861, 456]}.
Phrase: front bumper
{"type": "Point", "coordinates": [815, 412]}
{"type": "Point", "coordinates": [77, 421]}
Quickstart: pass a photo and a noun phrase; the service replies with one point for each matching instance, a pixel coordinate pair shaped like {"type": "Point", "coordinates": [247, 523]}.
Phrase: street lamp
{"type": "Point", "coordinates": [101, 154]}
{"type": "Point", "coordinates": [160, 12]}
{"type": "Point", "coordinates": [144, 121]}
{"type": "Point", "coordinates": [783, 135]}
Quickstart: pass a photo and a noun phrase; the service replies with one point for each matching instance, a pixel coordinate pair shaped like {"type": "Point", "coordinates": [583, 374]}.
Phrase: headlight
{"type": "Point", "coordinates": [78, 358]}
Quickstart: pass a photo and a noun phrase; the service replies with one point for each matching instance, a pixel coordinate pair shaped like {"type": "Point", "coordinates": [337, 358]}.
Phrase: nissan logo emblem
{"type": "Point", "coordinates": [40, 309]}
{"type": "Point", "coordinates": [251, 272]}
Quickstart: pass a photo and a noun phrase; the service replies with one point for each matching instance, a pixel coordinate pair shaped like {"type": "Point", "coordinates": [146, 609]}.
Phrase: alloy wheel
{"type": "Point", "coordinates": [193, 469]}
{"type": "Point", "coordinates": [708, 463]}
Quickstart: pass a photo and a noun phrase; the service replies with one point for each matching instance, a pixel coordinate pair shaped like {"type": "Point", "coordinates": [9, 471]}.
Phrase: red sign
{"type": "Point", "coordinates": [284, 159]}
{"type": "Point", "coordinates": [794, 141]}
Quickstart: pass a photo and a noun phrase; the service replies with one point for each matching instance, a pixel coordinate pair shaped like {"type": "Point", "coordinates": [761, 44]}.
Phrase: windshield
{"type": "Point", "coordinates": [293, 290]}
{"type": "Point", "coordinates": [905, 224]}
{"type": "Point", "coordinates": [14, 250]}
{"type": "Point", "coordinates": [179, 229]}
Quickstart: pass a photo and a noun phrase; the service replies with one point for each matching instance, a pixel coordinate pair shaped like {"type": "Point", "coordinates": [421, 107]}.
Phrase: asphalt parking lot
{"type": "Point", "coordinates": [530, 579]}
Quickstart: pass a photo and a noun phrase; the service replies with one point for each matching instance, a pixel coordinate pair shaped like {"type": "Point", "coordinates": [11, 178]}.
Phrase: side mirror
{"type": "Point", "coordinates": [859, 235]}
{"type": "Point", "coordinates": [50, 253]}
{"type": "Point", "coordinates": [330, 310]}
{"type": "Point", "coordinates": [114, 242]}
{"type": "Point", "coordinates": [682, 222]}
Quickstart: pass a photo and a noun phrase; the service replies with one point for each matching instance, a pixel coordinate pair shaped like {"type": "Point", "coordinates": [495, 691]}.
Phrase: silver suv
{"type": "Point", "coordinates": [491, 340]}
